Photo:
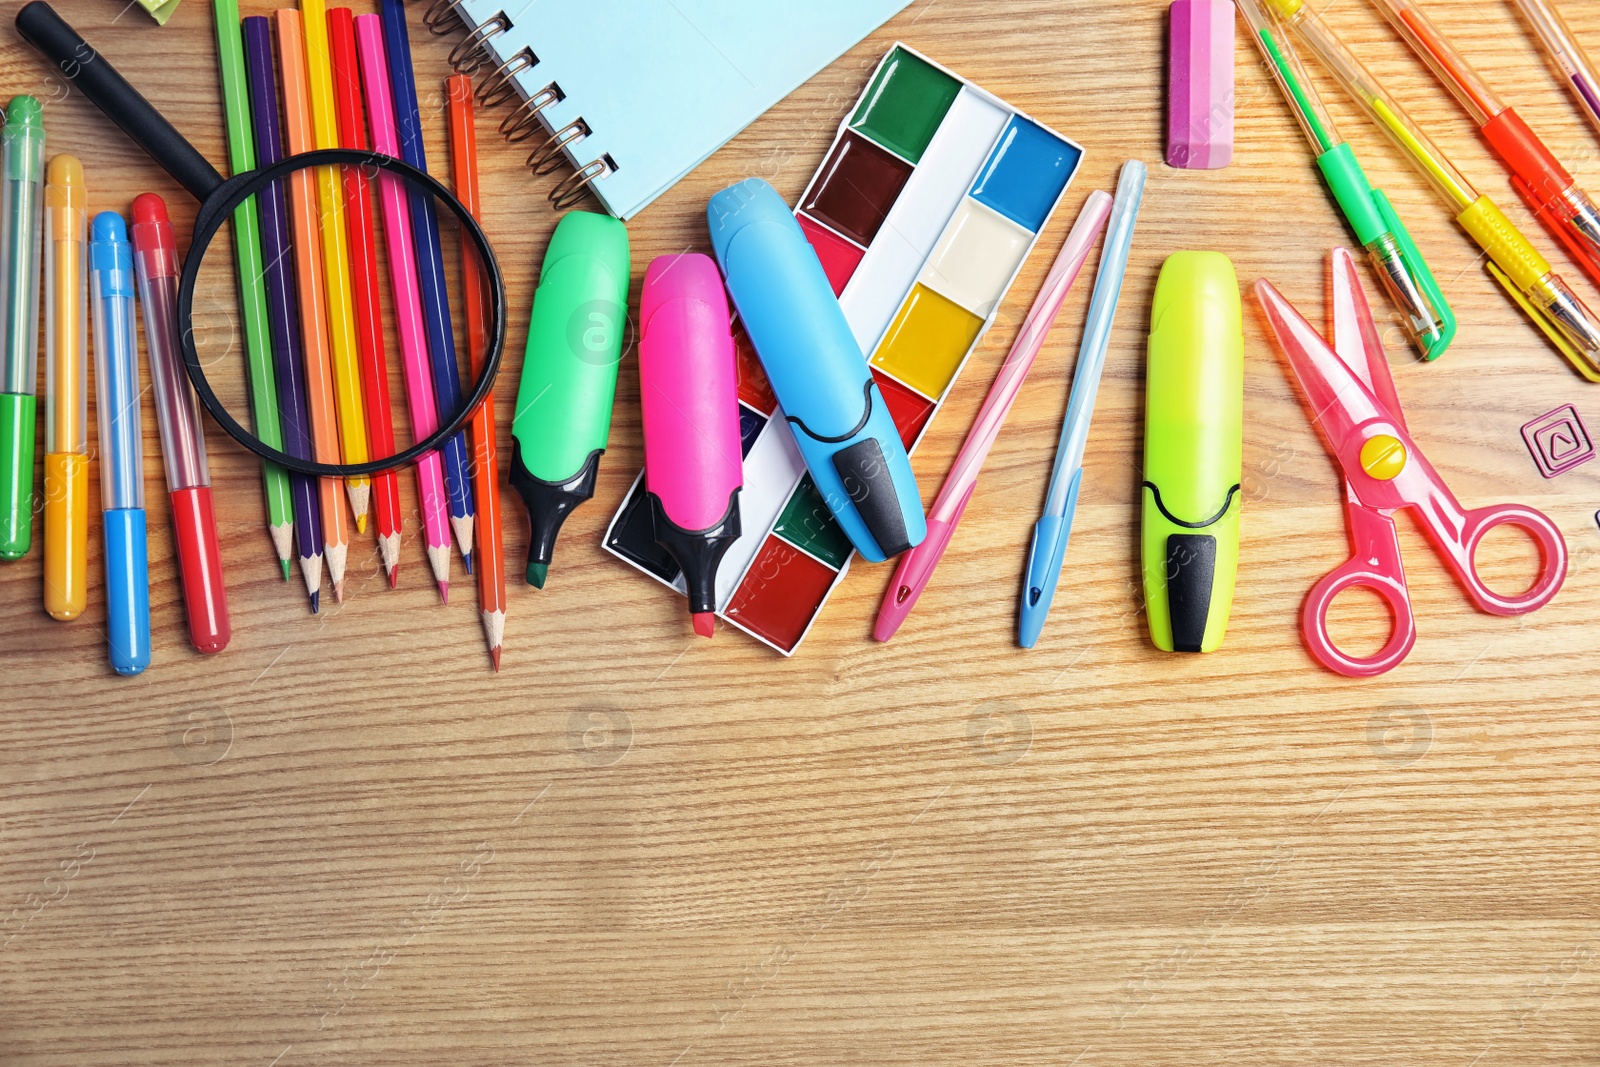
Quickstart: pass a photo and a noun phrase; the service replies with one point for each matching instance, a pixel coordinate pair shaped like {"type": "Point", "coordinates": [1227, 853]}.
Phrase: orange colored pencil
{"type": "Point", "coordinates": [313, 300]}
{"type": "Point", "coordinates": [485, 466]}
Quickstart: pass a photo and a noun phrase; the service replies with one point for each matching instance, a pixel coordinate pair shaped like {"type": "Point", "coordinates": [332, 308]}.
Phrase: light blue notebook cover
{"type": "Point", "coordinates": [662, 84]}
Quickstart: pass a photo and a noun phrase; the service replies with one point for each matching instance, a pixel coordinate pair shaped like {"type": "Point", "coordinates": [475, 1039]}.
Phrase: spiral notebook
{"type": "Point", "coordinates": [632, 95]}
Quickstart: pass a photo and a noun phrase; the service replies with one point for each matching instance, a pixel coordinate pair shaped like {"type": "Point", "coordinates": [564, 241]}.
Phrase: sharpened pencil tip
{"type": "Point", "coordinates": [285, 564]}
{"type": "Point", "coordinates": [494, 658]}
{"type": "Point", "coordinates": [394, 576]}
{"type": "Point", "coordinates": [361, 524]}
{"type": "Point", "coordinates": [466, 561]}
{"type": "Point", "coordinates": [705, 623]}
{"type": "Point", "coordinates": [316, 602]}
{"type": "Point", "coordinates": [537, 572]}
{"type": "Point", "coordinates": [338, 592]}
{"type": "Point", "coordinates": [444, 592]}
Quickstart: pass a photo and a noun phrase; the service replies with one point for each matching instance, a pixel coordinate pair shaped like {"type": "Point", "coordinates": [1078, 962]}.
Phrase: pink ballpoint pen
{"type": "Point", "coordinates": [407, 297]}
{"type": "Point", "coordinates": [917, 565]}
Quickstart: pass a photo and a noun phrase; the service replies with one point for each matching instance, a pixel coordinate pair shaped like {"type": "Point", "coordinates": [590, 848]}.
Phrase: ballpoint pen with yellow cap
{"type": "Point", "coordinates": [21, 176]}
{"type": "Point", "coordinates": [1424, 313]}
{"type": "Point", "coordinates": [66, 413]}
{"type": "Point", "coordinates": [1519, 267]}
{"type": "Point", "coordinates": [1537, 175]}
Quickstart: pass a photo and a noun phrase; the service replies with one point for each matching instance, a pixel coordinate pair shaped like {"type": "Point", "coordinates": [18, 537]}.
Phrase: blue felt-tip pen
{"type": "Point", "coordinates": [116, 365]}
{"type": "Point", "coordinates": [1054, 527]}
{"type": "Point", "coordinates": [845, 432]}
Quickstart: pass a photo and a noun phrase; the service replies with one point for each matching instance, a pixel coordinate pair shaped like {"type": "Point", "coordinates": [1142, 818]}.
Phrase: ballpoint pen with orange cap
{"type": "Point", "coordinates": [1536, 174]}
{"type": "Point", "coordinates": [1515, 263]}
{"type": "Point", "coordinates": [1424, 313]}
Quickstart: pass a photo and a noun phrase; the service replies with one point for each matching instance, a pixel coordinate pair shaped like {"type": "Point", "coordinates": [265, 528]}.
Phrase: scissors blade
{"type": "Point", "coordinates": [1340, 401]}
{"type": "Point", "coordinates": [1355, 334]}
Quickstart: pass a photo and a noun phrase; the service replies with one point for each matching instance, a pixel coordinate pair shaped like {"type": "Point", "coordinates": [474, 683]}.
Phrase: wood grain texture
{"type": "Point", "coordinates": [344, 841]}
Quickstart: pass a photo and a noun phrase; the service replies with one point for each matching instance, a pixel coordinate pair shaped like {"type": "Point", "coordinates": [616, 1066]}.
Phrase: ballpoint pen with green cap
{"type": "Point", "coordinates": [21, 226]}
{"type": "Point", "coordinates": [1424, 314]}
{"type": "Point", "coordinates": [1513, 261]}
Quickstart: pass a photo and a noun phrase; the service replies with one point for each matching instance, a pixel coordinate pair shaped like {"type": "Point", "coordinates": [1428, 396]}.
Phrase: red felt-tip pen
{"type": "Point", "coordinates": [183, 445]}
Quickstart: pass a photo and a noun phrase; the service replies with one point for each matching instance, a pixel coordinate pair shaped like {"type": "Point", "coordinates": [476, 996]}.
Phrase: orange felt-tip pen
{"type": "Point", "coordinates": [66, 434]}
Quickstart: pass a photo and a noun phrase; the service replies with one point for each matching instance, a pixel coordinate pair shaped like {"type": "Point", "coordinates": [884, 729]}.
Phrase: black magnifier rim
{"type": "Point", "coordinates": [219, 208]}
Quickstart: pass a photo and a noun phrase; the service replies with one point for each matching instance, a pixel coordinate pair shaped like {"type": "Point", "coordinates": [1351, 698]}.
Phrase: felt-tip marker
{"type": "Point", "coordinates": [183, 444]}
{"type": "Point", "coordinates": [116, 368]}
{"type": "Point", "coordinates": [688, 389]}
{"type": "Point", "coordinates": [822, 382]}
{"type": "Point", "coordinates": [569, 376]}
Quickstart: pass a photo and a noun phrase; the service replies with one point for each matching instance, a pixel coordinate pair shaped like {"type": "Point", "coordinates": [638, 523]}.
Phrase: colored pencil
{"type": "Point", "coordinates": [252, 298]}
{"type": "Point", "coordinates": [485, 463]}
{"type": "Point", "coordinates": [364, 275]}
{"type": "Point", "coordinates": [313, 300]}
{"type": "Point", "coordinates": [430, 271]}
{"type": "Point", "coordinates": [283, 309]}
{"type": "Point", "coordinates": [349, 403]}
{"type": "Point", "coordinates": [407, 298]}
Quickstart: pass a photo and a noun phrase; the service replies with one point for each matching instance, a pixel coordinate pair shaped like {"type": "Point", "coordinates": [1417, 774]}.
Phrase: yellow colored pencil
{"type": "Point", "coordinates": [336, 258]}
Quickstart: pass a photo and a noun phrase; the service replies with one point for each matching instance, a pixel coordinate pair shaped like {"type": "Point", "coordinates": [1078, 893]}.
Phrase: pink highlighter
{"type": "Point", "coordinates": [688, 388]}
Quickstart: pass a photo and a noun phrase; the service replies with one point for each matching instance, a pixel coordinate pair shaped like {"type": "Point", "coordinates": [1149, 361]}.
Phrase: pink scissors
{"type": "Point", "coordinates": [1351, 396]}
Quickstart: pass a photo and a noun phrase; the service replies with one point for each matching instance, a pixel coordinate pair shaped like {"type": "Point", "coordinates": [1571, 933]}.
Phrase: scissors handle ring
{"type": "Point", "coordinates": [1552, 550]}
{"type": "Point", "coordinates": [1359, 574]}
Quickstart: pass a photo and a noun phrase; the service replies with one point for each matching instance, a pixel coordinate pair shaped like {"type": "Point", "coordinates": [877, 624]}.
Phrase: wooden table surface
{"type": "Point", "coordinates": [345, 841]}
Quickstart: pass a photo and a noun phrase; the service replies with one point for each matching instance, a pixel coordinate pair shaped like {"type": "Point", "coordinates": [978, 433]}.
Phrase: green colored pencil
{"type": "Point", "coordinates": [252, 290]}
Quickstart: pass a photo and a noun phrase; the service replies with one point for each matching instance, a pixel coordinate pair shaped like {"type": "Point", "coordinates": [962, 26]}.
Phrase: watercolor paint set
{"type": "Point", "coordinates": [923, 211]}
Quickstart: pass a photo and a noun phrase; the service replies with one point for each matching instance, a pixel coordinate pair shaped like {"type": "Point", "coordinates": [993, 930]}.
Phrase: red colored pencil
{"type": "Point", "coordinates": [485, 465]}
{"type": "Point", "coordinates": [364, 278]}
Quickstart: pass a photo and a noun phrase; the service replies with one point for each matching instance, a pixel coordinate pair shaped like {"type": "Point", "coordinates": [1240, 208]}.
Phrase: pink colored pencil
{"type": "Point", "coordinates": [917, 565]}
{"type": "Point", "coordinates": [407, 297]}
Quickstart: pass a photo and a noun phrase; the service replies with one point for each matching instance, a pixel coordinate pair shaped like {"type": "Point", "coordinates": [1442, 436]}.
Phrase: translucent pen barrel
{"type": "Point", "coordinates": [66, 411]}
{"type": "Point", "coordinates": [1567, 54]}
{"type": "Point", "coordinates": [1389, 116]}
{"type": "Point", "coordinates": [66, 321]}
{"type": "Point", "coordinates": [111, 290]}
{"type": "Point", "coordinates": [1298, 90]}
{"type": "Point", "coordinates": [1449, 65]}
{"type": "Point", "coordinates": [183, 444]}
{"type": "Point", "coordinates": [22, 212]}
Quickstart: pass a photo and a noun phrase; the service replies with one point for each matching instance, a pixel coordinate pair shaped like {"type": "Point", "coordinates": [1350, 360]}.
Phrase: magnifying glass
{"type": "Point", "coordinates": [80, 64]}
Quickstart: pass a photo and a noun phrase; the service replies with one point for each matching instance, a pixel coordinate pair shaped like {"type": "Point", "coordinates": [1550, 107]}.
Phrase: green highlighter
{"type": "Point", "coordinates": [569, 375]}
{"type": "Point", "coordinates": [1193, 451]}
{"type": "Point", "coordinates": [21, 229]}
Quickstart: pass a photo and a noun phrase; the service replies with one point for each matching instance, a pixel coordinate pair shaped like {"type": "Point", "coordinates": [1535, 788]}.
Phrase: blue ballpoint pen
{"type": "Point", "coordinates": [1050, 533]}
{"type": "Point", "coordinates": [431, 276]}
{"type": "Point", "coordinates": [116, 371]}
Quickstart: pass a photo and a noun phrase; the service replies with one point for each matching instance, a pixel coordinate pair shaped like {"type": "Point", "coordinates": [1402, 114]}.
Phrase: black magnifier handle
{"type": "Point", "coordinates": [91, 72]}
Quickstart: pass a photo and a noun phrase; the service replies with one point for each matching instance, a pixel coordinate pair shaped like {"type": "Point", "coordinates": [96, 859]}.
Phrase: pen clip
{"type": "Point", "coordinates": [1546, 324]}
{"type": "Point", "coordinates": [1584, 251]}
{"type": "Point", "coordinates": [1420, 272]}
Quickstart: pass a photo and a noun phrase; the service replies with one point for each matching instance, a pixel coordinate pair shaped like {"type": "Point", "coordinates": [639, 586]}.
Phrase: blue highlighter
{"type": "Point", "coordinates": [116, 366]}
{"type": "Point", "coordinates": [846, 435]}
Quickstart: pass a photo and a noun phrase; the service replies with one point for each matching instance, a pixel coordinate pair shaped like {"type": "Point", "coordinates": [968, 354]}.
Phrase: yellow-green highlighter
{"type": "Point", "coordinates": [1193, 451]}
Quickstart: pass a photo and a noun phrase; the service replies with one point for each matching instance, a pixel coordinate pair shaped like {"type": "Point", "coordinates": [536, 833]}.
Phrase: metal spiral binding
{"type": "Point", "coordinates": [442, 16]}
{"type": "Point", "coordinates": [547, 158]}
{"type": "Point", "coordinates": [501, 86]}
{"type": "Point", "coordinates": [572, 189]}
{"type": "Point", "coordinates": [469, 54]}
{"type": "Point", "coordinates": [523, 123]}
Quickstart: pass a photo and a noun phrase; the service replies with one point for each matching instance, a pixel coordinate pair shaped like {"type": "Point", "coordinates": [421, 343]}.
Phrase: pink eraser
{"type": "Point", "coordinates": [1200, 91]}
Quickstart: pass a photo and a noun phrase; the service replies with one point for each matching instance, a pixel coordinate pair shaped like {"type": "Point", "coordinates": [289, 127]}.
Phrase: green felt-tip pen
{"type": "Point", "coordinates": [1193, 451]}
{"type": "Point", "coordinates": [569, 375]}
{"type": "Point", "coordinates": [22, 227]}
{"type": "Point", "coordinates": [1425, 316]}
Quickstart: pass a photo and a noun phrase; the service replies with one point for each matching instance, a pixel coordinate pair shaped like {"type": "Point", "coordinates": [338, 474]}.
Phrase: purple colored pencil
{"type": "Point", "coordinates": [283, 306]}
